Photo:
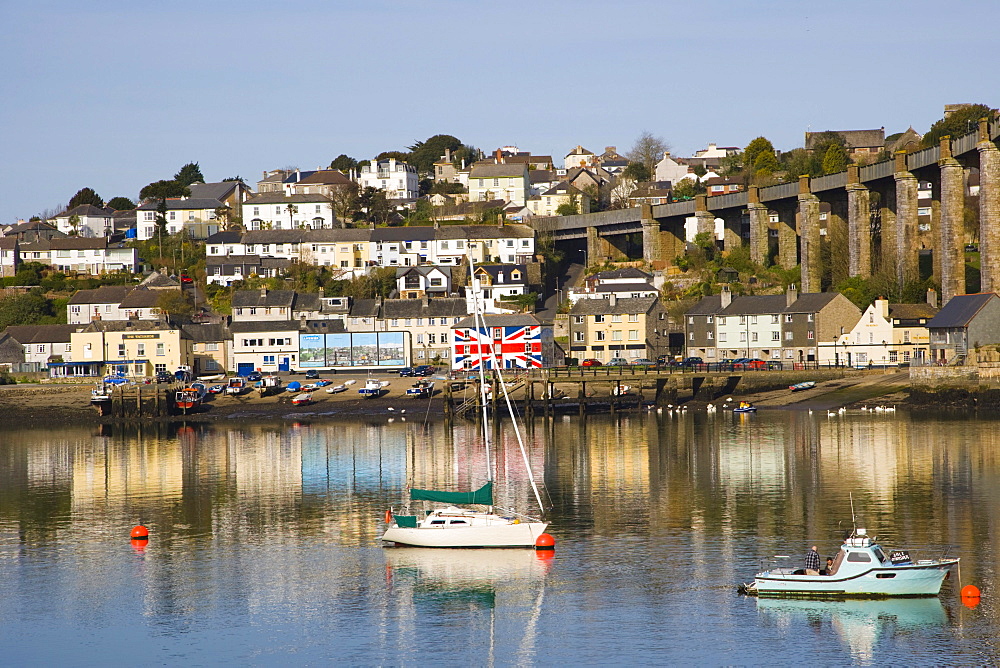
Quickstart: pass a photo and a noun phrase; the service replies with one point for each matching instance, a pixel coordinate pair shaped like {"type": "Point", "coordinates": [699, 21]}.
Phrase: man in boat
{"type": "Point", "coordinates": [812, 561]}
{"type": "Point", "coordinates": [829, 567]}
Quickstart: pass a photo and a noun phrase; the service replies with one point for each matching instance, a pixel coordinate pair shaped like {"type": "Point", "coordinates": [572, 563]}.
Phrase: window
{"type": "Point", "coordinates": [743, 320]}
{"type": "Point", "coordinates": [743, 337]}
{"type": "Point", "coordinates": [577, 319]}
{"type": "Point", "coordinates": [788, 317]}
{"type": "Point", "coordinates": [862, 557]}
{"type": "Point", "coordinates": [906, 336]}
{"type": "Point", "coordinates": [788, 336]}
{"type": "Point", "coordinates": [774, 320]}
{"type": "Point", "coordinates": [432, 338]}
{"type": "Point", "coordinates": [616, 318]}
{"type": "Point", "coordinates": [598, 319]}
{"type": "Point", "coordinates": [40, 349]}
{"type": "Point", "coordinates": [691, 336]}
{"type": "Point", "coordinates": [140, 350]}
{"type": "Point", "coordinates": [709, 336]}
{"type": "Point", "coordinates": [633, 317]}
{"type": "Point", "coordinates": [690, 319]}
{"type": "Point", "coordinates": [633, 335]}
{"type": "Point", "coordinates": [722, 320]}
{"type": "Point", "coordinates": [268, 359]}
{"type": "Point", "coordinates": [431, 322]}
{"type": "Point", "coordinates": [722, 337]}
{"type": "Point", "coordinates": [121, 350]}
{"type": "Point", "coordinates": [578, 337]}
{"type": "Point", "coordinates": [616, 335]}
{"type": "Point", "coordinates": [809, 317]}
{"type": "Point", "coordinates": [810, 334]}
{"type": "Point", "coordinates": [708, 319]}
{"type": "Point", "coordinates": [893, 356]}
{"type": "Point", "coordinates": [753, 320]}
{"type": "Point", "coordinates": [753, 336]}
{"type": "Point", "coordinates": [497, 332]}
{"type": "Point", "coordinates": [598, 336]}
{"type": "Point", "coordinates": [420, 338]}
{"type": "Point", "coordinates": [161, 349]}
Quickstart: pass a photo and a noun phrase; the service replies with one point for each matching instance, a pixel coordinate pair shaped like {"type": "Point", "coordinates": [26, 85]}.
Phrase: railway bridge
{"type": "Point", "coordinates": [872, 220]}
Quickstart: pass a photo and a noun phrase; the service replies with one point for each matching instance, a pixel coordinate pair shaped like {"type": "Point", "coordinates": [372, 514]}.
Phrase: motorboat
{"type": "Point", "coordinates": [621, 390]}
{"type": "Point", "coordinates": [798, 387]}
{"type": "Point", "coordinates": [270, 384]}
{"type": "Point", "coordinates": [862, 569]}
{"type": "Point", "coordinates": [373, 388]}
{"type": "Point", "coordinates": [302, 400]}
{"type": "Point", "coordinates": [187, 399]}
{"type": "Point", "coordinates": [421, 388]}
{"type": "Point", "coordinates": [336, 389]}
{"type": "Point", "coordinates": [101, 394]}
{"type": "Point", "coordinates": [236, 385]}
{"type": "Point", "coordinates": [745, 407]}
{"type": "Point", "coordinates": [216, 389]}
{"type": "Point", "coordinates": [294, 386]}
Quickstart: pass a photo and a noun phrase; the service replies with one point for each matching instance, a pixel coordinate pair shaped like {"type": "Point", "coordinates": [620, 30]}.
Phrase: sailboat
{"type": "Point", "coordinates": [454, 526]}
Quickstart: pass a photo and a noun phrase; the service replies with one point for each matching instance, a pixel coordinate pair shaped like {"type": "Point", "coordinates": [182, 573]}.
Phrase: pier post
{"type": "Point", "coordinates": [582, 398]}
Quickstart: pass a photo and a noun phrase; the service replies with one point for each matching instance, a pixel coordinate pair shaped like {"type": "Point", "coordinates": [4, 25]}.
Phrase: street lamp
{"type": "Point", "coordinates": [584, 251]}
{"type": "Point", "coordinates": [836, 358]}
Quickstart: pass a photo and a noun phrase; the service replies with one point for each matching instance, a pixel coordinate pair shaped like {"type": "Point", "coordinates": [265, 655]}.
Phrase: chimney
{"type": "Point", "coordinates": [321, 293]}
{"type": "Point", "coordinates": [610, 149]}
{"type": "Point", "coordinates": [882, 307]}
{"type": "Point", "coordinates": [425, 301]}
{"type": "Point", "coordinates": [726, 296]}
{"type": "Point", "coordinates": [791, 295]}
{"type": "Point", "coordinates": [263, 292]}
{"type": "Point", "coordinates": [499, 157]}
{"type": "Point", "coordinates": [932, 297]}
{"type": "Point", "coordinates": [613, 298]}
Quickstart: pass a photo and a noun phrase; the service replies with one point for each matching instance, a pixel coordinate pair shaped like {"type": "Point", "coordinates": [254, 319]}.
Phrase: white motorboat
{"type": "Point", "coordinates": [452, 526]}
{"type": "Point", "coordinates": [421, 388]}
{"type": "Point", "coordinates": [861, 570]}
{"type": "Point", "coordinates": [236, 386]}
{"type": "Point", "coordinates": [302, 399]}
{"type": "Point", "coordinates": [335, 389]}
{"type": "Point", "coordinates": [373, 388]}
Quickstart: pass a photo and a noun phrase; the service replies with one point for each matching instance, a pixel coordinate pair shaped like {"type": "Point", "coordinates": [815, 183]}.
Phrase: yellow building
{"type": "Point", "coordinates": [605, 329]}
{"type": "Point", "coordinates": [133, 347]}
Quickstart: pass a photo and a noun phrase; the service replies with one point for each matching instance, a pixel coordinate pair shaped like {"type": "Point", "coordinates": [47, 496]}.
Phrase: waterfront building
{"type": "Point", "coordinates": [965, 322]}
{"type": "Point", "coordinates": [886, 334]}
{"type": "Point", "coordinates": [132, 347]}
{"type": "Point", "coordinates": [631, 328]}
{"type": "Point", "coordinates": [506, 341]}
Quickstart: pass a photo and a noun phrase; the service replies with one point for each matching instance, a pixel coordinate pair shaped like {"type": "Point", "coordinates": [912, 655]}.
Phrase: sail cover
{"type": "Point", "coordinates": [482, 496]}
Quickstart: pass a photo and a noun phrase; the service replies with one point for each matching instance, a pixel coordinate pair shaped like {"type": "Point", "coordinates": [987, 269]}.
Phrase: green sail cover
{"type": "Point", "coordinates": [482, 496]}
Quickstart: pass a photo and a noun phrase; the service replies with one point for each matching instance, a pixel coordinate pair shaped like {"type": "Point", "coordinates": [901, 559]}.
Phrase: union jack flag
{"type": "Point", "coordinates": [513, 347]}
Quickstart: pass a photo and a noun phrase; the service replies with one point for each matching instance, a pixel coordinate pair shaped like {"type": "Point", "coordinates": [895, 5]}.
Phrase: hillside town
{"type": "Point", "coordinates": [381, 264]}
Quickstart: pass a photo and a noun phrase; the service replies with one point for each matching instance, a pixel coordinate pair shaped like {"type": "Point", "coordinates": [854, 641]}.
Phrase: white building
{"type": "Point", "coordinates": [397, 179]}
{"type": "Point", "coordinates": [496, 282]}
{"type": "Point", "coordinates": [668, 169]}
{"type": "Point", "coordinates": [276, 211]}
{"type": "Point", "coordinates": [90, 221]}
{"type": "Point", "coordinates": [196, 216]}
{"type": "Point", "coordinates": [93, 256]}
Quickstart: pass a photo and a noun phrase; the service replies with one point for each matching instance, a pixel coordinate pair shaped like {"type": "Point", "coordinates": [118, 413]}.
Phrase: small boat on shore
{"type": "Point", "coordinates": [373, 388]}
{"type": "Point", "coordinates": [336, 389]}
{"type": "Point", "coordinates": [745, 407]}
{"type": "Point", "coordinates": [270, 384]}
{"type": "Point", "coordinates": [798, 387]}
{"type": "Point", "coordinates": [188, 399]}
{"type": "Point", "coordinates": [302, 399]}
{"type": "Point", "coordinates": [421, 388]}
{"type": "Point", "coordinates": [101, 394]}
{"type": "Point", "coordinates": [861, 570]}
{"type": "Point", "coordinates": [236, 385]}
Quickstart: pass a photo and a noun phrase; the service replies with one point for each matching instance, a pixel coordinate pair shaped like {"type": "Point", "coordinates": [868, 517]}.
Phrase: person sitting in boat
{"type": "Point", "coordinates": [812, 561]}
{"type": "Point", "coordinates": [829, 567]}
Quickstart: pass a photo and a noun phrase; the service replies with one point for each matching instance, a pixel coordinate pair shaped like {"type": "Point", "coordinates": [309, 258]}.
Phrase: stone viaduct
{"type": "Point", "coordinates": [872, 222]}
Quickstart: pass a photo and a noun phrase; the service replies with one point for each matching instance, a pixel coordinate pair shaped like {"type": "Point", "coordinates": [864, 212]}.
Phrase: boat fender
{"type": "Point", "coordinates": [517, 521]}
{"type": "Point", "coordinates": [388, 515]}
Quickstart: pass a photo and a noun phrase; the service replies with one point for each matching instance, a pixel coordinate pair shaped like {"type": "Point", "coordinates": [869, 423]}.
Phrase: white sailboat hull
{"type": "Point", "coordinates": [523, 534]}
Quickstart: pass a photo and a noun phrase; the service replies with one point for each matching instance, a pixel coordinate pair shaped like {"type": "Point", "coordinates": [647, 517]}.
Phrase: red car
{"type": "Point", "coordinates": [186, 279]}
{"type": "Point", "coordinates": [591, 362]}
{"type": "Point", "coordinates": [755, 364]}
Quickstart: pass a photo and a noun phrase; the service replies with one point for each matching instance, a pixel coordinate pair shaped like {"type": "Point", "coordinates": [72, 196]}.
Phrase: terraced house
{"type": "Point", "coordinates": [631, 328]}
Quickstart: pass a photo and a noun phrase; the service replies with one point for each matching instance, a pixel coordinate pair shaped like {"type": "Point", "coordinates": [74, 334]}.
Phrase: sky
{"type": "Point", "coordinates": [115, 95]}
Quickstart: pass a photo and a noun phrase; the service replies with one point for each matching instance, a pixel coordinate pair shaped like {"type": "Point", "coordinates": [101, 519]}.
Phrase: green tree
{"type": "Point", "coordinates": [959, 122]}
{"type": "Point", "coordinates": [764, 165]}
{"type": "Point", "coordinates": [233, 178]}
{"type": "Point", "coordinates": [85, 196]}
{"type": "Point", "coordinates": [160, 191]}
{"type": "Point", "coordinates": [189, 173]}
{"type": "Point", "coordinates": [687, 189]}
{"type": "Point", "coordinates": [74, 223]}
{"type": "Point", "coordinates": [175, 302]}
{"type": "Point", "coordinates": [344, 163]}
{"type": "Point", "coordinates": [648, 149]}
{"type": "Point", "coordinates": [400, 156]}
{"type": "Point", "coordinates": [423, 154]}
{"type": "Point", "coordinates": [376, 207]}
{"type": "Point", "coordinates": [835, 160]}
{"type": "Point", "coordinates": [638, 172]}
{"type": "Point", "coordinates": [30, 308]}
{"type": "Point", "coordinates": [447, 188]}
{"type": "Point", "coordinates": [755, 148]}
{"type": "Point", "coordinates": [570, 208]}
{"type": "Point", "coordinates": [121, 204]}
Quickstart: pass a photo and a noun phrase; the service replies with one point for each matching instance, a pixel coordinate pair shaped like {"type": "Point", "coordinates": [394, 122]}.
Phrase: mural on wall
{"type": "Point", "coordinates": [366, 349]}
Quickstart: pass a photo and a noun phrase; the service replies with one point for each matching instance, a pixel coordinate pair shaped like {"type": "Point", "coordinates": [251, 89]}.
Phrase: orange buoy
{"type": "Point", "coordinates": [140, 532]}
{"type": "Point", "coordinates": [388, 515]}
{"type": "Point", "coordinates": [970, 591]}
{"type": "Point", "coordinates": [545, 542]}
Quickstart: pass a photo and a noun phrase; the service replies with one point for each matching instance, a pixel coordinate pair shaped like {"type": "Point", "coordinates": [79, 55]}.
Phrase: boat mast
{"type": "Point", "coordinates": [496, 364]}
{"type": "Point", "coordinates": [480, 325]}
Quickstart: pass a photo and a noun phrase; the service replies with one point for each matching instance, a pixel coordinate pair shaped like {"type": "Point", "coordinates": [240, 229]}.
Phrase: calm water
{"type": "Point", "coordinates": [264, 543]}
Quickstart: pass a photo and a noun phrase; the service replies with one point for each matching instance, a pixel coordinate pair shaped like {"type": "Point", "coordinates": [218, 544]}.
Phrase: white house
{"type": "Point", "coordinates": [264, 345]}
{"type": "Point", "coordinates": [90, 221]}
{"type": "Point", "coordinates": [508, 182]}
{"type": "Point", "coordinates": [397, 179]}
{"type": "Point", "coordinates": [624, 283]}
{"type": "Point", "coordinates": [10, 256]}
{"type": "Point", "coordinates": [402, 246]}
{"type": "Point", "coordinates": [668, 169]}
{"type": "Point", "coordinates": [423, 281]}
{"type": "Point", "coordinates": [495, 282]}
{"type": "Point", "coordinates": [276, 211]}
{"type": "Point", "coordinates": [92, 256]}
{"type": "Point", "coordinates": [579, 157]}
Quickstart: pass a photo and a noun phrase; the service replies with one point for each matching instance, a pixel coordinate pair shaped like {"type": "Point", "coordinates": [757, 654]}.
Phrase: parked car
{"type": "Point", "coordinates": [164, 377]}
{"type": "Point", "coordinates": [618, 361]}
{"type": "Point", "coordinates": [755, 364]}
{"type": "Point", "coordinates": [406, 372]}
{"type": "Point", "coordinates": [253, 376]}
{"type": "Point", "coordinates": [423, 370]}
{"type": "Point", "coordinates": [642, 361]}
{"type": "Point", "coordinates": [186, 280]}
{"type": "Point", "coordinates": [591, 362]}
{"type": "Point", "coordinates": [312, 374]}
{"type": "Point", "coordinates": [692, 361]}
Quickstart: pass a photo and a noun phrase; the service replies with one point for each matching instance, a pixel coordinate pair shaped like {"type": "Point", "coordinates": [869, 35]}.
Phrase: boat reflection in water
{"type": "Point", "coordinates": [507, 587]}
{"type": "Point", "coordinates": [859, 623]}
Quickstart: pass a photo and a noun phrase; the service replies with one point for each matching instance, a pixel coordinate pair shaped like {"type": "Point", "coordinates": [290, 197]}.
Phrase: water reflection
{"type": "Point", "coordinates": [858, 624]}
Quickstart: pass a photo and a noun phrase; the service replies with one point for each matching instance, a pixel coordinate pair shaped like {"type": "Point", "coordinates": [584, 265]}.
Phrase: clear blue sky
{"type": "Point", "coordinates": [114, 95]}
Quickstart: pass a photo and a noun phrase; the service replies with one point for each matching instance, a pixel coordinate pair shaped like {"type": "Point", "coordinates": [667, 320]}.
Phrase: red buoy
{"type": "Point", "coordinates": [140, 532]}
{"type": "Point", "coordinates": [545, 542]}
{"type": "Point", "coordinates": [388, 515]}
{"type": "Point", "coordinates": [970, 591]}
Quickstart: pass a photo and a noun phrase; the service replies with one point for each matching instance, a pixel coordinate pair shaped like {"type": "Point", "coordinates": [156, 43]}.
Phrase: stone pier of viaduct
{"type": "Point", "coordinates": [872, 222]}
